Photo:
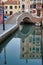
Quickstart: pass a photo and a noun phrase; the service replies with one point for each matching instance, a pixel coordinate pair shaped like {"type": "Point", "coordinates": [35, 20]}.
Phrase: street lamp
{"type": "Point", "coordinates": [3, 1]}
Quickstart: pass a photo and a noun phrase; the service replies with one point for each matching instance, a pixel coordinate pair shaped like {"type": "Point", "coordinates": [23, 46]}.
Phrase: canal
{"type": "Point", "coordinates": [23, 47]}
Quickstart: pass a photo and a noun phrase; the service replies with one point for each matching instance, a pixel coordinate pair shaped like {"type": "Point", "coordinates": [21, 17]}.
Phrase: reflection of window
{"type": "Point", "coordinates": [33, 32]}
{"type": "Point", "coordinates": [37, 56]}
{"type": "Point", "coordinates": [37, 49]}
{"type": "Point", "coordinates": [33, 55]}
{"type": "Point", "coordinates": [33, 48]}
{"type": "Point", "coordinates": [33, 39]}
{"type": "Point", "coordinates": [30, 49]}
{"type": "Point", "coordinates": [30, 55]}
{"type": "Point", "coordinates": [33, 42]}
{"type": "Point", "coordinates": [23, 49]}
{"type": "Point", "coordinates": [30, 39]}
{"type": "Point", "coordinates": [37, 39]}
{"type": "Point", "coordinates": [22, 55]}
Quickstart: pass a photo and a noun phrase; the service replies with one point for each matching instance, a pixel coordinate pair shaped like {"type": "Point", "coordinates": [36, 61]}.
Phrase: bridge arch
{"type": "Point", "coordinates": [24, 15]}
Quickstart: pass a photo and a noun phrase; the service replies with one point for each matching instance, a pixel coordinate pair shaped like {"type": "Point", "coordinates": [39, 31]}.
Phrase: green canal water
{"type": "Point", "coordinates": [23, 47]}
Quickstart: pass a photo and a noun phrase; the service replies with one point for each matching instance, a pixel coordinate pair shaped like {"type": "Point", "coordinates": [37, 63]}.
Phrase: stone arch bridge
{"type": "Point", "coordinates": [30, 18]}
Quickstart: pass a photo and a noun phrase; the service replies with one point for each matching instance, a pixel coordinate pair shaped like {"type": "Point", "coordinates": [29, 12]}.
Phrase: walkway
{"type": "Point", "coordinates": [10, 25]}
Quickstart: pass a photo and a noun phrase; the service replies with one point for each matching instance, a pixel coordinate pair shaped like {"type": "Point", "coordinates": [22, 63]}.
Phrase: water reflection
{"type": "Point", "coordinates": [5, 62]}
{"type": "Point", "coordinates": [29, 48]}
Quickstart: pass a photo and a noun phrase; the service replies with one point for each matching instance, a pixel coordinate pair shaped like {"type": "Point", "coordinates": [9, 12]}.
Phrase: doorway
{"type": "Point", "coordinates": [11, 12]}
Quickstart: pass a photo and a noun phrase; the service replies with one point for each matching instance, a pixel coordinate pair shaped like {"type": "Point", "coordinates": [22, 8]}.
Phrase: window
{"type": "Point", "coordinates": [15, 7]}
{"type": "Point", "coordinates": [6, 7]}
{"type": "Point", "coordinates": [34, 5]}
{"type": "Point", "coordinates": [23, 6]}
{"type": "Point", "coordinates": [11, 12]}
{"type": "Point", "coordinates": [19, 6]}
{"type": "Point", "coordinates": [10, 7]}
{"type": "Point", "coordinates": [23, 0]}
{"type": "Point", "coordinates": [31, 0]}
{"type": "Point", "coordinates": [31, 6]}
{"type": "Point", "coordinates": [34, 0]}
{"type": "Point", "coordinates": [34, 11]}
{"type": "Point", "coordinates": [30, 11]}
{"type": "Point", "coordinates": [6, 12]}
{"type": "Point", "coordinates": [42, 5]}
{"type": "Point", "coordinates": [38, 12]}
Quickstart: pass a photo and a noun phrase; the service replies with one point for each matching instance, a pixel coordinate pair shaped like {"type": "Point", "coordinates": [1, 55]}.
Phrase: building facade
{"type": "Point", "coordinates": [35, 7]}
{"type": "Point", "coordinates": [24, 4]}
{"type": "Point", "coordinates": [11, 7]}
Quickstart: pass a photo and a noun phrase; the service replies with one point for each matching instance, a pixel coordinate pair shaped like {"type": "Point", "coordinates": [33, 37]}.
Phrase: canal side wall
{"type": "Point", "coordinates": [7, 33]}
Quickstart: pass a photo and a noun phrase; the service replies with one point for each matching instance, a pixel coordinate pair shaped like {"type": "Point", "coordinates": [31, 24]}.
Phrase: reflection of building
{"type": "Point", "coordinates": [12, 6]}
{"type": "Point", "coordinates": [31, 48]}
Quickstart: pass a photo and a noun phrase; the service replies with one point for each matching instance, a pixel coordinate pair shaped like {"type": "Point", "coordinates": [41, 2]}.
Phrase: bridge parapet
{"type": "Point", "coordinates": [27, 14]}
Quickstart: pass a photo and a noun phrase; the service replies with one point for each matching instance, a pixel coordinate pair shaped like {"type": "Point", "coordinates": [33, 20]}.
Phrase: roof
{"type": "Point", "coordinates": [12, 2]}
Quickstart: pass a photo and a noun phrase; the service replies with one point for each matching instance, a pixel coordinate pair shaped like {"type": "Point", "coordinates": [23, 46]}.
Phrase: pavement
{"type": "Point", "coordinates": [10, 24]}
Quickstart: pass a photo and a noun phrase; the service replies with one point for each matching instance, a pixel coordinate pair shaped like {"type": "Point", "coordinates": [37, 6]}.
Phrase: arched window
{"type": "Point", "coordinates": [23, 6]}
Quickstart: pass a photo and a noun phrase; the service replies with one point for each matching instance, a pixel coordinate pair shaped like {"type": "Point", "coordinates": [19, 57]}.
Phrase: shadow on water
{"type": "Point", "coordinates": [24, 45]}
